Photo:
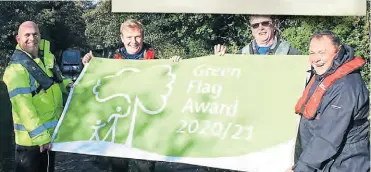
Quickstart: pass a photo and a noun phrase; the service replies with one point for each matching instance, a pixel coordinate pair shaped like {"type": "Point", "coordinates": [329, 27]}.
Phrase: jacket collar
{"type": "Point", "coordinates": [28, 54]}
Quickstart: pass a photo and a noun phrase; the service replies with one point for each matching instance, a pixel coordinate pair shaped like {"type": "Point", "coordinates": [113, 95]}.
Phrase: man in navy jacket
{"type": "Point", "coordinates": [334, 127]}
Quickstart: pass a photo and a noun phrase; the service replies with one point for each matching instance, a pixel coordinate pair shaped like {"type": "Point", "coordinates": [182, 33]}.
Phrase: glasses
{"type": "Point", "coordinates": [264, 23]}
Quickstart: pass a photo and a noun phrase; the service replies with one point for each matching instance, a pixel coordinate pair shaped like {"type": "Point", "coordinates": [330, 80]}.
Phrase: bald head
{"type": "Point", "coordinates": [27, 24]}
{"type": "Point", "coordinates": [28, 37]}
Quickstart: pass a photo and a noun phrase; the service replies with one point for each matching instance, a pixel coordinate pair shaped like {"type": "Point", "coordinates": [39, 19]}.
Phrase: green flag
{"type": "Point", "coordinates": [233, 111]}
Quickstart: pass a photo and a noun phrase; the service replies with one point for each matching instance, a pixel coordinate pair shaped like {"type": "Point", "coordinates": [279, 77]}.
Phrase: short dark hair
{"type": "Point", "coordinates": [335, 39]}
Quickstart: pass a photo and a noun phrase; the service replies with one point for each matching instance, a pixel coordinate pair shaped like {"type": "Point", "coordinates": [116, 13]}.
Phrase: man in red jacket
{"type": "Point", "coordinates": [131, 34]}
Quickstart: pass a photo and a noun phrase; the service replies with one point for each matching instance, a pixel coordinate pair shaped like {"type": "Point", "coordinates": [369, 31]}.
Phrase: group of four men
{"type": "Point", "coordinates": [334, 106]}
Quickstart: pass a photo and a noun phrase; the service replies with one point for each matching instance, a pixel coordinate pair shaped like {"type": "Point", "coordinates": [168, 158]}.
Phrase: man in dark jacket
{"type": "Point", "coordinates": [334, 127]}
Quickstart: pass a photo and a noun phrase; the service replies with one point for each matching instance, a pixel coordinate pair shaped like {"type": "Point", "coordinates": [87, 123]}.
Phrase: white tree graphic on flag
{"type": "Point", "coordinates": [134, 103]}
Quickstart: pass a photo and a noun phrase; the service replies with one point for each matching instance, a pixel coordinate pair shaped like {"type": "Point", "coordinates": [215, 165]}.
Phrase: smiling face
{"type": "Point", "coordinates": [132, 36]}
{"type": "Point", "coordinates": [132, 39]}
{"type": "Point", "coordinates": [322, 52]}
{"type": "Point", "coordinates": [262, 29]}
{"type": "Point", "coordinates": [28, 37]}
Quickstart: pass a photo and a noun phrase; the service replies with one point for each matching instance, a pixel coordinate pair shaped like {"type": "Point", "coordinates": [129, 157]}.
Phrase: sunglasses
{"type": "Point", "coordinates": [264, 23]}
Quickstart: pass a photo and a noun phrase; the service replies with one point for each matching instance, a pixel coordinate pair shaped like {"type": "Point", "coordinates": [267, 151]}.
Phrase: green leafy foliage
{"type": "Point", "coordinates": [85, 24]}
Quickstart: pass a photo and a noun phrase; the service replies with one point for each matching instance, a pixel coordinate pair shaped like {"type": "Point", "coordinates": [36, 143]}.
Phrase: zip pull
{"type": "Point", "coordinates": [47, 168]}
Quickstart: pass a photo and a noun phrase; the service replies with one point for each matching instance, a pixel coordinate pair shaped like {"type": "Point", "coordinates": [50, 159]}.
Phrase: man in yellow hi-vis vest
{"type": "Point", "coordinates": [36, 88]}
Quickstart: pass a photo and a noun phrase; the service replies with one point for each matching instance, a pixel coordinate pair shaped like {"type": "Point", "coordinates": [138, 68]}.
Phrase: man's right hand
{"type": "Point", "coordinates": [87, 58]}
{"type": "Point", "coordinates": [47, 146]}
{"type": "Point", "coordinates": [220, 49]}
{"type": "Point", "coordinates": [175, 59]}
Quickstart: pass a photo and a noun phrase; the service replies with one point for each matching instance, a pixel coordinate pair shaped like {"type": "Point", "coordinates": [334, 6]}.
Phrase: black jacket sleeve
{"type": "Point", "coordinates": [330, 129]}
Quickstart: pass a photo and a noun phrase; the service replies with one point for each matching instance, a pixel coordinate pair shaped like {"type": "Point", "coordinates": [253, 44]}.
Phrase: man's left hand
{"type": "Point", "coordinates": [69, 86]}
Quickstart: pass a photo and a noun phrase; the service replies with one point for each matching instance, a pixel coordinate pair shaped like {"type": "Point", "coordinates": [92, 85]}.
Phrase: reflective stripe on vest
{"type": "Point", "coordinates": [39, 129]}
{"type": "Point", "coordinates": [24, 90]}
{"type": "Point", "coordinates": [309, 109]}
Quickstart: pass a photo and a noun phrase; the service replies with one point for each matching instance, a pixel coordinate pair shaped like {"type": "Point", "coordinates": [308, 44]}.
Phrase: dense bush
{"type": "Point", "coordinates": [83, 24]}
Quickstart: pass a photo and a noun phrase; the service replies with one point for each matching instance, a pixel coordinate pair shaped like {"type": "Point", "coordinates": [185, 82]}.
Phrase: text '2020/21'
{"type": "Point", "coordinates": [216, 129]}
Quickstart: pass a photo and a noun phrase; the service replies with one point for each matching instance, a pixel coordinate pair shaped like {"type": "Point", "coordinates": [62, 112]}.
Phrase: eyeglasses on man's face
{"type": "Point", "coordinates": [264, 24]}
